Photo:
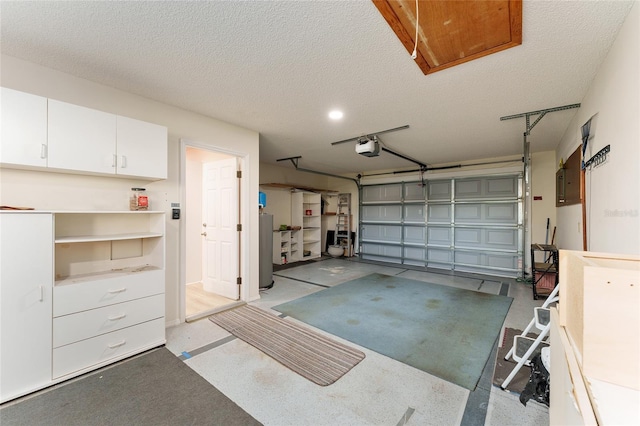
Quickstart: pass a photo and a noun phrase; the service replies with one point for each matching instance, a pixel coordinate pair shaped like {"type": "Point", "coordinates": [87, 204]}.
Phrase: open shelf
{"type": "Point", "coordinates": [95, 246]}
{"type": "Point", "coordinates": [114, 237]}
{"type": "Point", "coordinates": [101, 275]}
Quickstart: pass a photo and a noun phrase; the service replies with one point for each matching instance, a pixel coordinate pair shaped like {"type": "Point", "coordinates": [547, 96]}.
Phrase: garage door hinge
{"type": "Point", "coordinates": [239, 280]}
{"type": "Point", "coordinates": [239, 174]}
{"type": "Point", "coordinates": [239, 227]}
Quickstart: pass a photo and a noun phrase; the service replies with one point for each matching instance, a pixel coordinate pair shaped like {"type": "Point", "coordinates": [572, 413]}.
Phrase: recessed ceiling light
{"type": "Point", "coordinates": [335, 114]}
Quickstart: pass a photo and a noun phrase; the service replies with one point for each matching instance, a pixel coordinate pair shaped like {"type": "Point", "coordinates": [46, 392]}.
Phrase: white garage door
{"type": "Point", "coordinates": [462, 224]}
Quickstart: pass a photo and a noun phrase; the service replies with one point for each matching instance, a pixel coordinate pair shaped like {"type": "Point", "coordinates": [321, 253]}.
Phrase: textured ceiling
{"type": "Point", "coordinates": [278, 67]}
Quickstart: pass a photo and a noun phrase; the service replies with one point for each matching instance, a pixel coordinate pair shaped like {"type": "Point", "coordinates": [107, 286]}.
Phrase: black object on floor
{"type": "Point", "coordinates": [155, 388]}
{"type": "Point", "coordinates": [537, 387]}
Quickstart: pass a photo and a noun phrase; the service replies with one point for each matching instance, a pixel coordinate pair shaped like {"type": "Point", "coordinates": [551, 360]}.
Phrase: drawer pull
{"type": "Point", "coordinates": [117, 345]}
{"type": "Point", "coordinates": [117, 317]}
{"type": "Point", "coordinates": [120, 290]}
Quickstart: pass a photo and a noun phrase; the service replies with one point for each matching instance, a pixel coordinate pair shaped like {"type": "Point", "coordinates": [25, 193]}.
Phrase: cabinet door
{"type": "Point", "coordinates": [141, 149]}
{"type": "Point", "coordinates": [24, 129]}
{"type": "Point", "coordinates": [26, 276]}
{"type": "Point", "coordinates": [81, 139]}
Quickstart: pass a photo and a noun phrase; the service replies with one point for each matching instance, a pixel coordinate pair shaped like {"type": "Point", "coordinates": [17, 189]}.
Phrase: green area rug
{"type": "Point", "coordinates": [445, 331]}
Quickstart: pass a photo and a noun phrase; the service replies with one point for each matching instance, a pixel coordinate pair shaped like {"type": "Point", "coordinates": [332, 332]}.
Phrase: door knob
{"type": "Point", "coordinates": [204, 234]}
{"type": "Point", "coordinates": [204, 225]}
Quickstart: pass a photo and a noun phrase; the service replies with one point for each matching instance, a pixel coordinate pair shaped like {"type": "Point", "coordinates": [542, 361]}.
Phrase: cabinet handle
{"type": "Point", "coordinates": [43, 151]}
{"type": "Point", "coordinates": [117, 317]}
{"type": "Point", "coordinates": [114, 160]}
{"type": "Point", "coordinates": [41, 293]}
{"type": "Point", "coordinates": [117, 345]}
{"type": "Point", "coordinates": [123, 162]}
{"type": "Point", "coordinates": [120, 290]}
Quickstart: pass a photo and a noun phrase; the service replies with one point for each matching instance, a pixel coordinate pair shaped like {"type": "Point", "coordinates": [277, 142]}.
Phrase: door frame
{"type": "Point", "coordinates": [244, 218]}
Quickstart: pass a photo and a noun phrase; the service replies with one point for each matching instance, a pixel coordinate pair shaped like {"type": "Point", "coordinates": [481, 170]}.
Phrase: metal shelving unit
{"type": "Point", "coordinates": [545, 273]}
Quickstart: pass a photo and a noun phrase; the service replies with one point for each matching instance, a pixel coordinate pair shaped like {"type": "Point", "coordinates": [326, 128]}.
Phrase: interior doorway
{"type": "Point", "coordinates": [211, 252]}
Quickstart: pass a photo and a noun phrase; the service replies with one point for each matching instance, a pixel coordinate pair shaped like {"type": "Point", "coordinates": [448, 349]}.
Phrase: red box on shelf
{"type": "Point", "coordinates": [545, 280]}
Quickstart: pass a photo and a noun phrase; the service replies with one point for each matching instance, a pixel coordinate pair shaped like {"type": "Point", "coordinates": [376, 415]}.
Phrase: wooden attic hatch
{"type": "Point", "coordinates": [453, 32]}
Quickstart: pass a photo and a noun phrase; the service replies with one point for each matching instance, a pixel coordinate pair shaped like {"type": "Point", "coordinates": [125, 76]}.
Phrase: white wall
{"type": "Point", "coordinates": [288, 175]}
{"type": "Point", "coordinates": [75, 192]}
{"type": "Point", "coordinates": [279, 199]}
{"type": "Point", "coordinates": [543, 184]}
{"type": "Point", "coordinates": [612, 189]}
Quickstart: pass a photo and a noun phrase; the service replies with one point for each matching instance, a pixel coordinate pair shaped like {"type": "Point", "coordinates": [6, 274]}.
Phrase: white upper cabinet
{"type": "Point", "coordinates": [141, 149]}
{"type": "Point", "coordinates": [81, 139]}
{"type": "Point", "coordinates": [24, 129]}
{"type": "Point", "coordinates": [46, 133]}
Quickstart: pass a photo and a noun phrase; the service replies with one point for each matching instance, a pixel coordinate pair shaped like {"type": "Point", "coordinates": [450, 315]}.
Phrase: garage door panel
{"type": "Point", "coordinates": [504, 213]}
{"type": "Point", "coordinates": [414, 213]}
{"type": "Point", "coordinates": [468, 213]}
{"type": "Point", "coordinates": [414, 253]}
{"type": "Point", "coordinates": [382, 253]}
{"type": "Point", "coordinates": [439, 255]}
{"type": "Point", "coordinates": [414, 234]}
{"type": "Point", "coordinates": [468, 236]}
{"type": "Point", "coordinates": [502, 187]}
{"type": "Point", "coordinates": [414, 192]}
{"type": "Point", "coordinates": [440, 236]}
{"type": "Point", "coordinates": [487, 260]}
{"type": "Point", "coordinates": [487, 213]}
{"type": "Point", "coordinates": [439, 190]}
{"type": "Point", "coordinates": [498, 239]}
{"type": "Point", "coordinates": [506, 239]}
{"type": "Point", "coordinates": [382, 213]}
{"type": "Point", "coordinates": [439, 213]}
{"type": "Point", "coordinates": [468, 188]}
{"type": "Point", "coordinates": [488, 188]}
{"type": "Point", "coordinates": [387, 233]}
{"type": "Point", "coordinates": [382, 193]}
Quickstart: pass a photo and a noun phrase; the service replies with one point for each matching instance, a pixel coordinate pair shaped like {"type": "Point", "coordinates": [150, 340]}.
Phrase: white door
{"type": "Point", "coordinates": [219, 227]}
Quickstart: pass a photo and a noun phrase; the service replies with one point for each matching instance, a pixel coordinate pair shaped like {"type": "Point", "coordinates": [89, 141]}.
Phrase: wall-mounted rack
{"type": "Point", "coordinates": [598, 158]}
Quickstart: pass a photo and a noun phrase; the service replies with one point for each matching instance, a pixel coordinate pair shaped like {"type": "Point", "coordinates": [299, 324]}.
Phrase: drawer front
{"type": "Point", "coordinates": [100, 349]}
{"type": "Point", "coordinates": [71, 298]}
{"type": "Point", "coordinates": [84, 325]}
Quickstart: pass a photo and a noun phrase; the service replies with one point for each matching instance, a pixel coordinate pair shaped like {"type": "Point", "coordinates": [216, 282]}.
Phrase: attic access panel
{"type": "Point", "coordinates": [453, 32]}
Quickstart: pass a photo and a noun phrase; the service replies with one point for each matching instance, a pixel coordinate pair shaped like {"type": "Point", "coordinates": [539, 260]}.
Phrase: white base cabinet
{"type": "Point", "coordinates": [26, 280]}
{"type": "Point", "coordinates": [79, 290]}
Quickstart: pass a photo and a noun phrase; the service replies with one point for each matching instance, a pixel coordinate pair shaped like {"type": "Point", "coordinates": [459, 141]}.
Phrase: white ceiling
{"type": "Point", "coordinates": [278, 67]}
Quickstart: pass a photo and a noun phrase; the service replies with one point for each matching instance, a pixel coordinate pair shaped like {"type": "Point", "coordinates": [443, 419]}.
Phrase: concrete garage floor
{"type": "Point", "coordinates": [379, 390]}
